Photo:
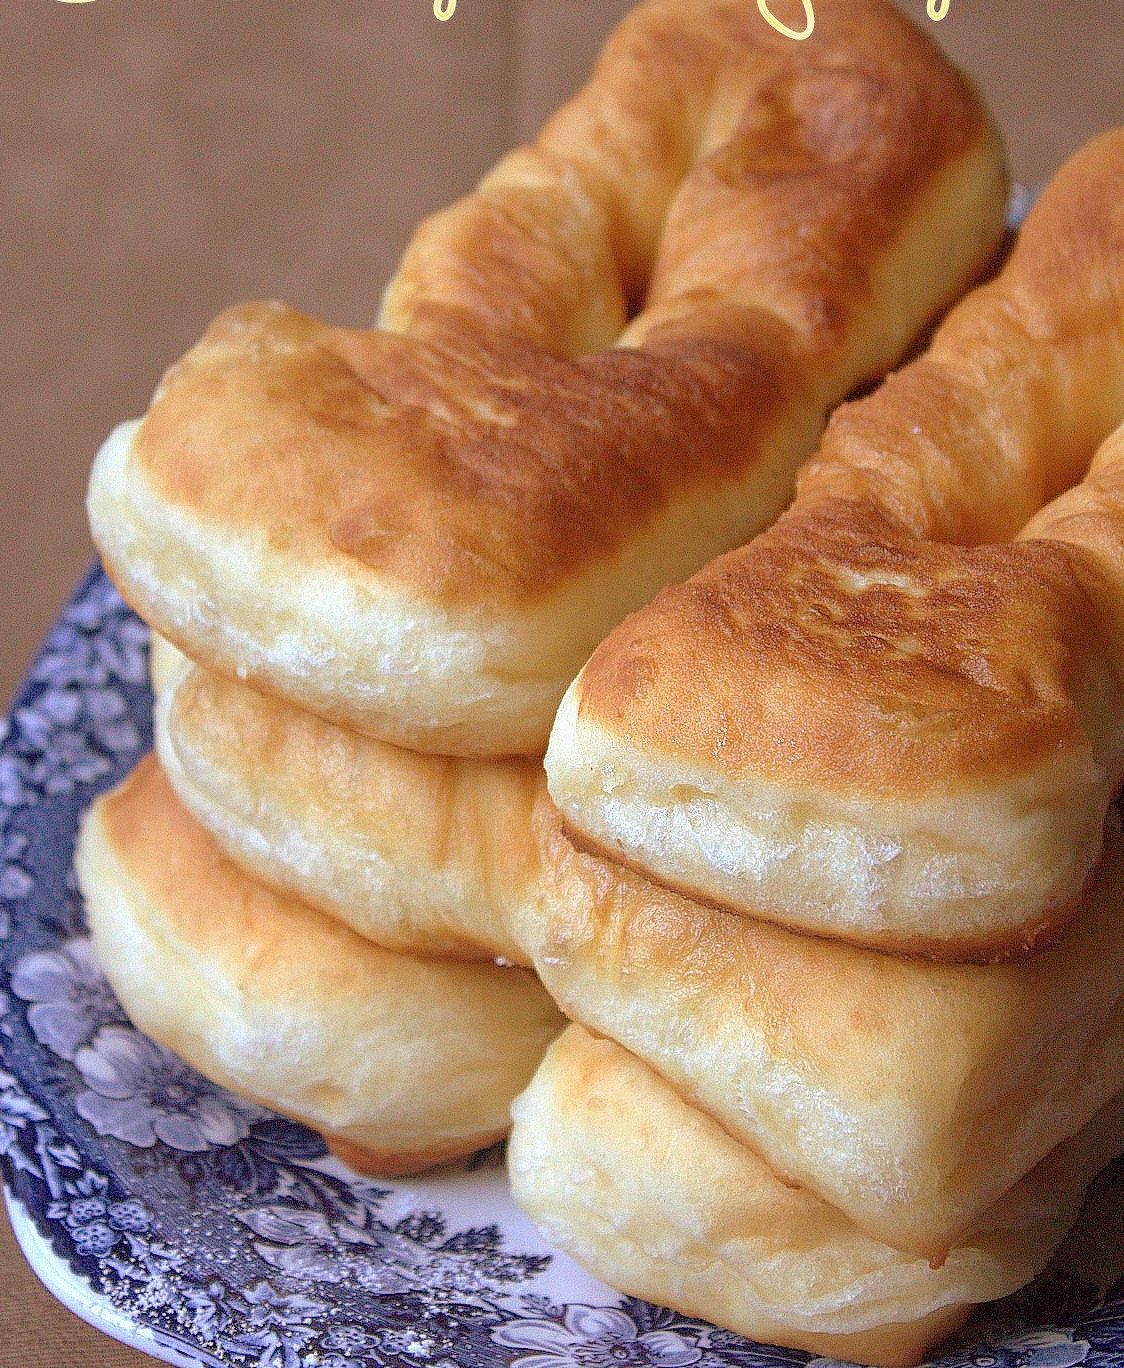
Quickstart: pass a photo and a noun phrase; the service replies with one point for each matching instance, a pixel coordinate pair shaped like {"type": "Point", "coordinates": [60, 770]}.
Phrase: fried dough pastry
{"type": "Point", "coordinates": [656, 1198]}
{"type": "Point", "coordinates": [406, 849]}
{"type": "Point", "coordinates": [400, 1062]}
{"type": "Point", "coordinates": [908, 1094]}
{"type": "Point", "coordinates": [589, 376]}
{"type": "Point", "coordinates": [896, 715]}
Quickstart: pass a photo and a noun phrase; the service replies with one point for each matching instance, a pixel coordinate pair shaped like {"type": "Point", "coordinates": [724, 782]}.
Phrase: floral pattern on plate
{"type": "Point", "coordinates": [225, 1235]}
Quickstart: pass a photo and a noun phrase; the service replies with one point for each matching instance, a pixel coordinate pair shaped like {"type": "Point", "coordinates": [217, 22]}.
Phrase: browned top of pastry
{"type": "Point", "coordinates": [833, 646]}
{"type": "Point", "coordinates": [888, 627]}
{"type": "Point", "coordinates": [495, 436]}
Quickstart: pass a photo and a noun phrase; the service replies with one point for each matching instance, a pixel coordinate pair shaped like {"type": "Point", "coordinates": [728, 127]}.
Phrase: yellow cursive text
{"type": "Point", "coordinates": [443, 9]}
{"type": "Point", "coordinates": [799, 35]}
{"type": "Point", "coordinates": [936, 9]}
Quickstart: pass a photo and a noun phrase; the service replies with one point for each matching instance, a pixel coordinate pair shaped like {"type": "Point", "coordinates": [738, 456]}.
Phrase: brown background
{"type": "Point", "coordinates": [161, 159]}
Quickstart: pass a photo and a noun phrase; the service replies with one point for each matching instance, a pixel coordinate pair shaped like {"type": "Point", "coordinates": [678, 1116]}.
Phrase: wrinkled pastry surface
{"type": "Point", "coordinates": [589, 376]}
{"type": "Point", "coordinates": [895, 715]}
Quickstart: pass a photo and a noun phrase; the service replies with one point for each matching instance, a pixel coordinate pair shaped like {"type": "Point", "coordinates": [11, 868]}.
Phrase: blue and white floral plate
{"type": "Point", "coordinates": [207, 1231]}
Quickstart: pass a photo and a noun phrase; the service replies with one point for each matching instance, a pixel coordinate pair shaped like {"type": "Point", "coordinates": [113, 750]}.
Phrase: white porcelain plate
{"type": "Point", "coordinates": [205, 1230]}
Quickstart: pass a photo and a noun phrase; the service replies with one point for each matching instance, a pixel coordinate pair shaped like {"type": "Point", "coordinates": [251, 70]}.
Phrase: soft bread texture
{"type": "Point", "coordinates": [400, 1062]}
{"type": "Point", "coordinates": [896, 715]}
{"type": "Point", "coordinates": [656, 1198]}
{"type": "Point", "coordinates": [909, 1094]}
{"type": "Point", "coordinates": [401, 847]}
{"type": "Point", "coordinates": [593, 373]}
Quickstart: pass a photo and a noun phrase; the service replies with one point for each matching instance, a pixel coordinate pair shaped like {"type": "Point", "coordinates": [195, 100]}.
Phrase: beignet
{"type": "Point", "coordinates": [658, 1200]}
{"type": "Point", "coordinates": [590, 375]}
{"type": "Point", "coordinates": [400, 1062]}
{"type": "Point", "coordinates": [896, 715]}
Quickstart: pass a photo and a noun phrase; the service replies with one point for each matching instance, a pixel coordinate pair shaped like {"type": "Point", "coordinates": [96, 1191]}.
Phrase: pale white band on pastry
{"type": "Point", "coordinates": [895, 715]}
{"type": "Point", "coordinates": [400, 846]}
{"type": "Point", "coordinates": [400, 1062]}
{"type": "Point", "coordinates": [947, 874]}
{"type": "Point", "coordinates": [657, 1199]}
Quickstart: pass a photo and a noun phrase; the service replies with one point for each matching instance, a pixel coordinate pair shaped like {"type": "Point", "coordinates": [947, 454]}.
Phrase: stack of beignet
{"type": "Point", "coordinates": [597, 370]}
{"type": "Point", "coordinates": [892, 719]}
{"type": "Point", "coordinates": [381, 556]}
{"type": "Point", "coordinates": [824, 1123]}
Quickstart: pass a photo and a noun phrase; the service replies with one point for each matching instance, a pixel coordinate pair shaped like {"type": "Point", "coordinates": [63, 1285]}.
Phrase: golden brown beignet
{"type": "Point", "coordinates": [657, 1199]}
{"type": "Point", "coordinates": [908, 1094]}
{"type": "Point", "coordinates": [420, 532]}
{"type": "Point", "coordinates": [401, 847]}
{"type": "Point", "coordinates": [895, 716]}
{"type": "Point", "coordinates": [400, 1062]}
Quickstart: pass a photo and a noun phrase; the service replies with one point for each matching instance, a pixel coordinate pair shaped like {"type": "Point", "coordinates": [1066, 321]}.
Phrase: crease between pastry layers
{"type": "Point", "coordinates": [422, 531]}
{"type": "Point", "coordinates": [408, 850]}
{"type": "Point", "coordinates": [400, 1062]}
{"type": "Point", "coordinates": [894, 716]}
{"type": "Point", "coordinates": [908, 1094]}
{"type": "Point", "coordinates": [656, 1198]}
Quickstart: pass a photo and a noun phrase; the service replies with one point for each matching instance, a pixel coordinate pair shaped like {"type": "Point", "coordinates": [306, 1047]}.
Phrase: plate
{"type": "Point", "coordinates": [205, 1230]}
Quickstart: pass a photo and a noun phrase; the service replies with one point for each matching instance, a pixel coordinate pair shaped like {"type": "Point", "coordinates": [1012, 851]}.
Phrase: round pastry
{"type": "Point", "coordinates": [399, 1062]}
{"type": "Point", "coordinates": [657, 1199]}
{"type": "Point", "coordinates": [896, 715]}
{"type": "Point", "coordinates": [590, 375]}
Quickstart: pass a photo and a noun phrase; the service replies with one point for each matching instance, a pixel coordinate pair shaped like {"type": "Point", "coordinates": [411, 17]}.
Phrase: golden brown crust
{"type": "Point", "coordinates": [471, 403]}
{"type": "Point", "coordinates": [903, 639]}
{"type": "Point", "coordinates": [292, 1009]}
{"type": "Point", "coordinates": [505, 447]}
{"type": "Point", "coordinates": [831, 648]}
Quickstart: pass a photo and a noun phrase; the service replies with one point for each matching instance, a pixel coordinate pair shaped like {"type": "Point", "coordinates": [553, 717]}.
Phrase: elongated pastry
{"type": "Point", "coordinates": [400, 1062]}
{"type": "Point", "coordinates": [906, 1093]}
{"type": "Point", "coordinates": [589, 376]}
{"type": "Point", "coordinates": [657, 1199]}
{"type": "Point", "coordinates": [896, 715]}
{"type": "Point", "coordinates": [404, 848]}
